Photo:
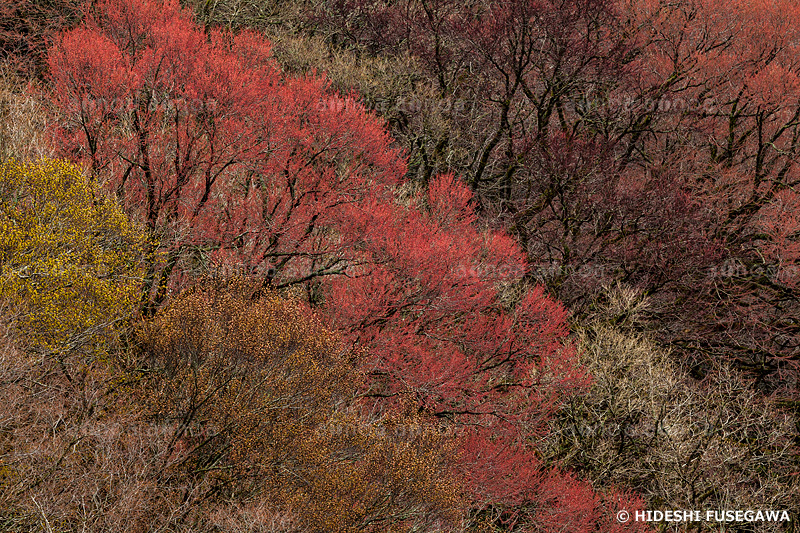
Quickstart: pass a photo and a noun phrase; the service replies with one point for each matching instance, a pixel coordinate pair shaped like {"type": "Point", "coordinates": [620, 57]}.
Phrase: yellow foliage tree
{"type": "Point", "coordinates": [69, 257]}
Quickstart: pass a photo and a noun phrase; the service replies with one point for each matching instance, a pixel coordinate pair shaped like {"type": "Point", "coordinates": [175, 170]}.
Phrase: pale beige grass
{"type": "Point", "coordinates": [23, 120]}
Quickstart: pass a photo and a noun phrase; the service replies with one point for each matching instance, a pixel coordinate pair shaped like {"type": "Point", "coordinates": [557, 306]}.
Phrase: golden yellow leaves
{"type": "Point", "coordinates": [69, 258]}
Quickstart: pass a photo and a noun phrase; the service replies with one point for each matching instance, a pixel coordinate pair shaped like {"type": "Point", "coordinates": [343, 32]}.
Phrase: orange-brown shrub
{"type": "Point", "coordinates": [233, 412]}
{"type": "Point", "coordinates": [263, 404]}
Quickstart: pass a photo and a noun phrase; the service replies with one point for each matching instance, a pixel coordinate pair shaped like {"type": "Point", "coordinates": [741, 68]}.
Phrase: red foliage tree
{"type": "Point", "coordinates": [232, 164]}
{"type": "Point", "coordinates": [642, 141]}
{"type": "Point", "coordinates": [556, 114]}
{"type": "Point", "coordinates": [728, 136]}
{"type": "Point", "coordinates": [203, 139]}
{"type": "Point", "coordinates": [443, 316]}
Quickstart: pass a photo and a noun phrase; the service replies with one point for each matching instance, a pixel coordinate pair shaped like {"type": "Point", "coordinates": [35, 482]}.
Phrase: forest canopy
{"type": "Point", "coordinates": [419, 265]}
